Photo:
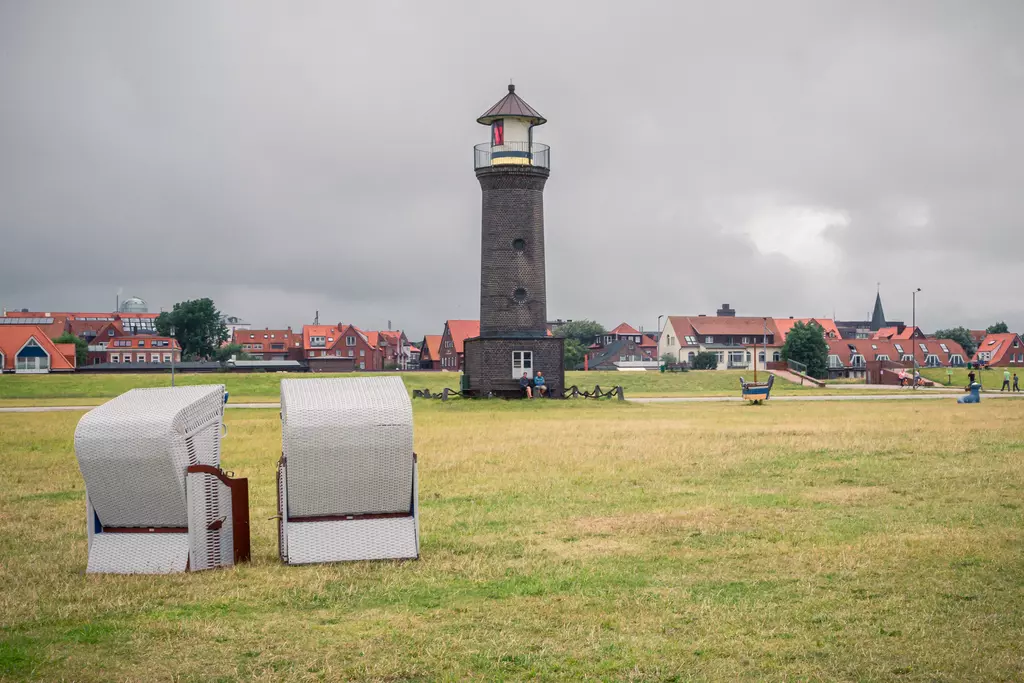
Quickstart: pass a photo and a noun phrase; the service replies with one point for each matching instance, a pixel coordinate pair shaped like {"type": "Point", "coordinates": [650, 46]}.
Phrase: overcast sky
{"type": "Point", "coordinates": [284, 158]}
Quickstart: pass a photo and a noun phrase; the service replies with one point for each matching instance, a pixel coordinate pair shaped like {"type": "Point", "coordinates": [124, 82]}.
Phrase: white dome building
{"type": "Point", "coordinates": [134, 305]}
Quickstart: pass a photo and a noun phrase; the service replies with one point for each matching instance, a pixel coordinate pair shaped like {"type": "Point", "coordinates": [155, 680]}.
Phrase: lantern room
{"type": "Point", "coordinates": [511, 123]}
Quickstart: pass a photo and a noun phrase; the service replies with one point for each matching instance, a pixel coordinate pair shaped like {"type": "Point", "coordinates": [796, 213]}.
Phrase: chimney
{"type": "Point", "coordinates": [726, 312]}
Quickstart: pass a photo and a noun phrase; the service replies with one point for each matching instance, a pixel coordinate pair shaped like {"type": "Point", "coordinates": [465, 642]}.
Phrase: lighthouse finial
{"type": "Point", "coordinates": [511, 88]}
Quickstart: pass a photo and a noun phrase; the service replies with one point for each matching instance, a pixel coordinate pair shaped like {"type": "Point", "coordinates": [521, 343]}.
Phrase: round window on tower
{"type": "Point", "coordinates": [519, 245]}
{"type": "Point", "coordinates": [519, 296]}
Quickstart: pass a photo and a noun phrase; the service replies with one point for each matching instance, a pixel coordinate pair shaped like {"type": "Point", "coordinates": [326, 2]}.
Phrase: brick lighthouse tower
{"type": "Point", "coordinates": [512, 170]}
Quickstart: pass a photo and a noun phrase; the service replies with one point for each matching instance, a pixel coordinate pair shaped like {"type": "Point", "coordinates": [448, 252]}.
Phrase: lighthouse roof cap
{"type": "Point", "coordinates": [511, 106]}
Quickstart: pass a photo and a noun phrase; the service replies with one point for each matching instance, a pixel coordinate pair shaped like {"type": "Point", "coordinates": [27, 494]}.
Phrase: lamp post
{"type": "Point", "coordinates": [913, 323]}
{"type": "Point", "coordinates": [171, 331]}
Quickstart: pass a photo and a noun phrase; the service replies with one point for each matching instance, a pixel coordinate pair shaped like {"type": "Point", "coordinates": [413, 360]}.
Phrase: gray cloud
{"type": "Point", "coordinates": [285, 159]}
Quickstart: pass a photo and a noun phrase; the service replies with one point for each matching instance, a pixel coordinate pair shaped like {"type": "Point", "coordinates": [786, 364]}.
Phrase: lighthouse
{"type": "Point", "coordinates": [512, 169]}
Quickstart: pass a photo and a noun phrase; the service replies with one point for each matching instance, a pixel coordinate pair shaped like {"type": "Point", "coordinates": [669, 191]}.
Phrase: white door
{"type": "Point", "coordinates": [522, 361]}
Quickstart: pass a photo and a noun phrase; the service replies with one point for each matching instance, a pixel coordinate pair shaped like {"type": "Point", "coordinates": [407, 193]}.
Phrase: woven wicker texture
{"type": "Point", "coordinates": [209, 505]}
{"type": "Point", "coordinates": [138, 554]}
{"type": "Point", "coordinates": [348, 446]}
{"type": "Point", "coordinates": [392, 538]}
{"type": "Point", "coordinates": [134, 449]}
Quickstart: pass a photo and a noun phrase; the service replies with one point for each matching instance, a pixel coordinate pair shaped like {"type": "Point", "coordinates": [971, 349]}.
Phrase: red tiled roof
{"type": "Point", "coordinates": [266, 335]}
{"type": "Point", "coordinates": [895, 333]}
{"type": "Point", "coordinates": [14, 337]}
{"type": "Point", "coordinates": [784, 325]}
{"type": "Point", "coordinates": [625, 328]}
{"type": "Point", "coordinates": [51, 330]}
{"type": "Point", "coordinates": [717, 325]}
{"type": "Point", "coordinates": [999, 345]}
{"type": "Point", "coordinates": [319, 331]}
{"type": "Point", "coordinates": [433, 346]}
{"type": "Point", "coordinates": [461, 330]}
{"type": "Point", "coordinates": [142, 341]}
{"type": "Point", "coordinates": [648, 340]}
{"type": "Point", "coordinates": [68, 351]}
{"type": "Point", "coordinates": [870, 348]}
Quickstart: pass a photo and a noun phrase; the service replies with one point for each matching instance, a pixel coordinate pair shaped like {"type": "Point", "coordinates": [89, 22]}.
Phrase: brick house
{"type": "Point", "coordinates": [430, 352]}
{"type": "Point", "coordinates": [142, 348]}
{"type": "Point", "coordinates": [624, 346]}
{"type": "Point", "coordinates": [27, 349]}
{"type": "Point", "coordinates": [452, 351]}
{"type": "Point", "coordinates": [397, 349]}
{"type": "Point", "coordinates": [1001, 350]}
{"type": "Point", "coordinates": [268, 344]}
{"type": "Point", "coordinates": [343, 341]}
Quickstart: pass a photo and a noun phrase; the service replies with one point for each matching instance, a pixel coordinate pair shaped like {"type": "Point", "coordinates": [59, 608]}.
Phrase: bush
{"type": "Point", "coordinates": [705, 360]}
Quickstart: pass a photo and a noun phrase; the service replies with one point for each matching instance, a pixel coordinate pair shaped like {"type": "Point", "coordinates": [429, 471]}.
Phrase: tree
{"type": "Point", "coordinates": [668, 359]}
{"type": "Point", "coordinates": [961, 335]}
{"type": "Point", "coordinates": [81, 347]}
{"type": "Point", "coordinates": [999, 328]}
{"type": "Point", "coordinates": [806, 344]}
{"type": "Point", "coordinates": [583, 331]}
{"type": "Point", "coordinates": [705, 360]}
{"type": "Point", "coordinates": [197, 327]}
{"type": "Point", "coordinates": [574, 353]}
{"type": "Point", "coordinates": [224, 353]}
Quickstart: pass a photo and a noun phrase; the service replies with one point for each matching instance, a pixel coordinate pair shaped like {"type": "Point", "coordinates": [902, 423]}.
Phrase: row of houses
{"type": "Point", "coordinates": [330, 348]}
{"type": "Point", "coordinates": [742, 343]}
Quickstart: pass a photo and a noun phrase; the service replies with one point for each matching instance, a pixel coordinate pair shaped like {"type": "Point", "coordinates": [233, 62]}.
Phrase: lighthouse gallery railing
{"type": "Point", "coordinates": [520, 153]}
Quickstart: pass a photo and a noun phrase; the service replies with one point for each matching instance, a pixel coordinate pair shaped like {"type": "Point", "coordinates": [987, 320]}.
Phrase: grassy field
{"type": "Point", "coordinates": [90, 389]}
{"type": "Point", "coordinates": [991, 379]}
{"type": "Point", "coordinates": [571, 541]}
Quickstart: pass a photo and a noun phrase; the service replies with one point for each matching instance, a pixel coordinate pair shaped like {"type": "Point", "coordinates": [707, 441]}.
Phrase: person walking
{"type": "Point", "coordinates": [903, 377]}
{"type": "Point", "coordinates": [1006, 381]}
{"type": "Point", "coordinates": [970, 379]}
{"type": "Point", "coordinates": [1016, 387]}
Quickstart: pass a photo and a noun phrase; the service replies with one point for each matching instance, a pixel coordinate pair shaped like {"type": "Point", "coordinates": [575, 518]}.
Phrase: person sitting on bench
{"type": "Point", "coordinates": [524, 386]}
{"type": "Point", "coordinates": [538, 384]}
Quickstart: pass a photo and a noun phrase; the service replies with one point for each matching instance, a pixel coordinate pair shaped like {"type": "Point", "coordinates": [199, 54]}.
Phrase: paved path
{"type": "Point", "coordinates": [907, 395]}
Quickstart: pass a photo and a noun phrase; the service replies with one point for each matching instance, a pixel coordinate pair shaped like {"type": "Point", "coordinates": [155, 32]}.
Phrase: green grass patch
{"type": "Point", "coordinates": [571, 541]}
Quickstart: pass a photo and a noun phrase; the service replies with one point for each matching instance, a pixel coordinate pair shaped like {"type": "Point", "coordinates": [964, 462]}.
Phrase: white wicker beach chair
{"type": "Point", "coordinates": [347, 485]}
{"type": "Point", "coordinates": [157, 501]}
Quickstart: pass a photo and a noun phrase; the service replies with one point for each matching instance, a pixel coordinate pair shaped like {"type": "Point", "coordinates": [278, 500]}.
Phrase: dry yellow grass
{"type": "Point", "coordinates": [873, 541]}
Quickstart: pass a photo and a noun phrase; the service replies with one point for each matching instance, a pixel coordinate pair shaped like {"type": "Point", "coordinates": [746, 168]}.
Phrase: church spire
{"type": "Point", "coordinates": [878, 315]}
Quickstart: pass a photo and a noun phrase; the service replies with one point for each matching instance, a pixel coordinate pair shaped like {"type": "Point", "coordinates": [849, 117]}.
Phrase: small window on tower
{"type": "Point", "coordinates": [519, 245]}
{"type": "Point", "coordinates": [498, 132]}
{"type": "Point", "coordinates": [519, 295]}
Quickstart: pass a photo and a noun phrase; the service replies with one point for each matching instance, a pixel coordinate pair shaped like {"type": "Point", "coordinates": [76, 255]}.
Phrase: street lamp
{"type": "Point", "coordinates": [913, 324]}
{"type": "Point", "coordinates": [171, 331]}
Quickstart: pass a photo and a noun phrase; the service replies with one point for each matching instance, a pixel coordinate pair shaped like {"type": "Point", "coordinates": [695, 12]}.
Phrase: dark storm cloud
{"type": "Point", "coordinates": [288, 158]}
